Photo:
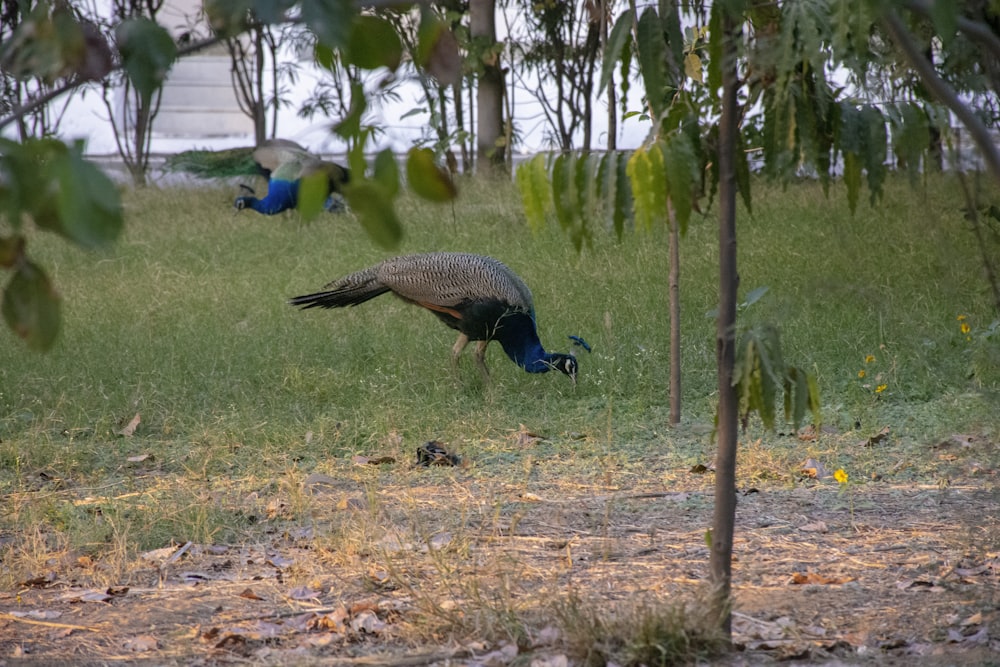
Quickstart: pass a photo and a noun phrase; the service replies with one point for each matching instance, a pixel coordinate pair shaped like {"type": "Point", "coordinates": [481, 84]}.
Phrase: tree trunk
{"type": "Point", "coordinates": [723, 523]}
{"type": "Point", "coordinates": [490, 148]}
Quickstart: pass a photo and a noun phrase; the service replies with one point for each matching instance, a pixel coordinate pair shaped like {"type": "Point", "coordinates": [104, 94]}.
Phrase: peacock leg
{"type": "Point", "coordinates": [456, 350]}
{"type": "Point", "coordinates": [480, 356]}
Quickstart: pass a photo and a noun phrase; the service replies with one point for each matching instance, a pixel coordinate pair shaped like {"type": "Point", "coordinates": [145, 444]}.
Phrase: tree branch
{"type": "Point", "coordinates": [940, 89]}
{"type": "Point", "coordinates": [974, 29]}
{"type": "Point", "coordinates": [69, 86]}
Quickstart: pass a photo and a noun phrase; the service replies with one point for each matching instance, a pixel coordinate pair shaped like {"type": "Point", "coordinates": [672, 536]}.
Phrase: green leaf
{"type": "Point", "coordinates": [875, 152]}
{"type": "Point", "coordinates": [944, 15]}
{"type": "Point", "coordinates": [374, 43]}
{"type": "Point", "coordinates": [89, 207]}
{"type": "Point", "coordinates": [910, 138]}
{"type": "Point", "coordinates": [373, 207]}
{"type": "Point", "coordinates": [148, 52]}
{"type": "Point", "coordinates": [331, 20]}
{"type": "Point", "coordinates": [437, 50]}
{"type": "Point", "coordinates": [623, 202]}
{"type": "Point", "coordinates": [426, 178]}
{"type": "Point", "coordinates": [852, 179]}
{"type": "Point", "coordinates": [350, 125]}
{"type": "Point", "coordinates": [754, 295]}
{"type": "Point", "coordinates": [563, 197]}
{"type": "Point", "coordinates": [31, 307]}
{"type": "Point", "coordinates": [715, 36]}
{"type": "Point", "coordinates": [386, 171]}
{"type": "Point", "coordinates": [638, 170]}
{"type": "Point", "coordinates": [652, 57]}
{"type": "Point", "coordinates": [681, 167]}
{"type": "Point", "coordinates": [313, 191]}
{"type": "Point", "coordinates": [228, 18]}
{"type": "Point", "coordinates": [670, 19]}
{"type": "Point", "coordinates": [533, 184]}
{"type": "Point", "coordinates": [616, 44]}
{"type": "Point", "coordinates": [611, 181]}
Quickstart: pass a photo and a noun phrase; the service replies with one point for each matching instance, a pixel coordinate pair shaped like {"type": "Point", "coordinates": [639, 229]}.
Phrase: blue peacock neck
{"type": "Point", "coordinates": [281, 195]}
{"type": "Point", "coordinates": [520, 341]}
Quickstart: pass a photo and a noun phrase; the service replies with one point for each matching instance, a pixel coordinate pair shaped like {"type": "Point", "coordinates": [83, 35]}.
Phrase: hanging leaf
{"type": "Point", "coordinates": [874, 154]}
{"type": "Point", "coordinates": [652, 58]}
{"type": "Point", "coordinates": [437, 50]}
{"type": "Point", "coordinates": [350, 125]}
{"type": "Point", "coordinates": [148, 52]}
{"type": "Point", "coordinates": [533, 184]}
{"type": "Point", "coordinates": [313, 191]}
{"type": "Point", "coordinates": [89, 207]}
{"type": "Point", "coordinates": [715, 37]}
{"type": "Point", "coordinates": [386, 171]}
{"type": "Point", "coordinates": [692, 67]}
{"type": "Point", "coordinates": [617, 44]}
{"type": "Point", "coordinates": [852, 179]}
{"type": "Point", "coordinates": [681, 168]}
{"type": "Point", "coordinates": [910, 138]}
{"type": "Point", "coordinates": [944, 15]}
{"type": "Point", "coordinates": [563, 195]}
{"type": "Point", "coordinates": [31, 306]}
{"type": "Point", "coordinates": [331, 20]}
{"type": "Point", "coordinates": [427, 178]}
{"type": "Point", "coordinates": [373, 206]}
{"type": "Point", "coordinates": [607, 180]}
{"type": "Point", "coordinates": [373, 43]}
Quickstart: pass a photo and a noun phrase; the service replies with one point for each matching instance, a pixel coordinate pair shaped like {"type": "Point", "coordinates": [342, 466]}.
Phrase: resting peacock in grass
{"type": "Point", "coordinates": [478, 296]}
{"type": "Point", "coordinates": [285, 163]}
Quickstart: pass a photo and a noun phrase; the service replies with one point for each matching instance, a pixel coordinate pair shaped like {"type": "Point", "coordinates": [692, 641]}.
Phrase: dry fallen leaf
{"type": "Point", "coordinates": [815, 527]}
{"type": "Point", "coordinates": [129, 428]}
{"type": "Point", "coordinates": [368, 623]}
{"type": "Point", "coordinates": [814, 469]}
{"type": "Point", "coordinates": [807, 434]}
{"type": "Point", "coordinates": [141, 644]}
{"type": "Point", "coordinates": [250, 595]}
{"type": "Point", "coordinates": [879, 437]}
{"type": "Point", "coordinates": [302, 593]}
{"type": "Point", "coordinates": [139, 458]}
{"type": "Point", "coordinates": [317, 482]}
{"type": "Point", "coordinates": [279, 562]}
{"type": "Point", "coordinates": [813, 578]}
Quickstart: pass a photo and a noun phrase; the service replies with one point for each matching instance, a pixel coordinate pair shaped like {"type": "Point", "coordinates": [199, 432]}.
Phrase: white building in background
{"type": "Point", "coordinates": [199, 109]}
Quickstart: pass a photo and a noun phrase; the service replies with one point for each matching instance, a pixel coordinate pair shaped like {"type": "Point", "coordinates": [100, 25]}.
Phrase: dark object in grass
{"type": "Point", "coordinates": [433, 453]}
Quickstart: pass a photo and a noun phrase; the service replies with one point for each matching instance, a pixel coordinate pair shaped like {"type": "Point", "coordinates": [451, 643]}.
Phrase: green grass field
{"type": "Point", "coordinates": [185, 323]}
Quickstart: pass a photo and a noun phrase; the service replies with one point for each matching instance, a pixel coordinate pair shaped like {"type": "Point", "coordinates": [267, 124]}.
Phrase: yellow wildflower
{"type": "Point", "coordinates": [870, 359]}
{"type": "Point", "coordinates": [961, 318]}
{"type": "Point", "coordinates": [840, 476]}
{"type": "Point", "coordinates": [879, 389]}
{"type": "Point", "coordinates": [861, 373]}
{"type": "Point", "coordinates": [965, 327]}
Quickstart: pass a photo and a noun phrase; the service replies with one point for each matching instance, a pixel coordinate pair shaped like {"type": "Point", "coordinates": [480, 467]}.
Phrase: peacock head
{"type": "Point", "coordinates": [246, 201]}
{"type": "Point", "coordinates": [566, 363]}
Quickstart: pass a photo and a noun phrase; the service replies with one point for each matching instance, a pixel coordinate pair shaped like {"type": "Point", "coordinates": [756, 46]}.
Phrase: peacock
{"type": "Point", "coordinates": [285, 163]}
{"type": "Point", "coordinates": [480, 297]}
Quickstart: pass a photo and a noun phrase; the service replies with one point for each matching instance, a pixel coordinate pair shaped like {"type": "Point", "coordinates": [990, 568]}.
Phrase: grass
{"type": "Point", "coordinates": [241, 398]}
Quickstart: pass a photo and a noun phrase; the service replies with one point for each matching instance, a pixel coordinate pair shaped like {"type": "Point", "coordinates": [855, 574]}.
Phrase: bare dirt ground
{"type": "Point", "coordinates": [445, 568]}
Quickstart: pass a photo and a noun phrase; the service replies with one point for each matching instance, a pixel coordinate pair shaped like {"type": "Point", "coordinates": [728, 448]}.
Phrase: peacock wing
{"type": "Point", "coordinates": [452, 279]}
